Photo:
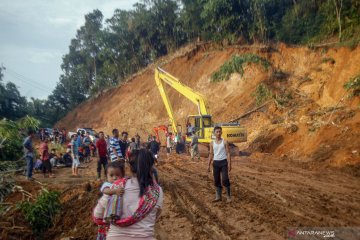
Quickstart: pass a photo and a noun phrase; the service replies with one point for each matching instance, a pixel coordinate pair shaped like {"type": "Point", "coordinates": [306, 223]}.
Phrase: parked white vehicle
{"type": "Point", "coordinates": [83, 131]}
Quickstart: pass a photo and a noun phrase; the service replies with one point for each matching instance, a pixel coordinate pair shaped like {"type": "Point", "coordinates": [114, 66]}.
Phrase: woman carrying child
{"type": "Point", "coordinates": [114, 171]}
{"type": "Point", "coordinates": [137, 200]}
{"type": "Point", "coordinates": [141, 203]}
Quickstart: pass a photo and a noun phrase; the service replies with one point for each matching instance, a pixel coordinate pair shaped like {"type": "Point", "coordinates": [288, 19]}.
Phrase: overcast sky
{"type": "Point", "coordinates": [35, 34]}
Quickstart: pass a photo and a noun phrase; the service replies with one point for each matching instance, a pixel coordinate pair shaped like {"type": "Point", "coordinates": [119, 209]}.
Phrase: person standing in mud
{"type": "Point", "coordinates": [220, 156]}
{"type": "Point", "coordinates": [154, 147]}
{"type": "Point", "coordinates": [137, 141]}
{"type": "Point", "coordinates": [194, 151]}
{"type": "Point", "coordinates": [86, 141]}
{"type": "Point", "coordinates": [115, 150]}
{"type": "Point", "coordinates": [124, 143]}
{"type": "Point", "coordinates": [168, 144]}
{"type": "Point", "coordinates": [101, 147]}
{"type": "Point", "coordinates": [75, 154]}
{"type": "Point", "coordinates": [29, 154]}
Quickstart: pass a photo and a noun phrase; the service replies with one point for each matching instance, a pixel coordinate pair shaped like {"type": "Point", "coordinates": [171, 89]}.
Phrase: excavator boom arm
{"type": "Point", "coordinates": [197, 98]}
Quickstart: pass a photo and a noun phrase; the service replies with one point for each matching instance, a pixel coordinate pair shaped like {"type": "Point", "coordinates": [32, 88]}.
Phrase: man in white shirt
{"type": "Point", "coordinates": [220, 154]}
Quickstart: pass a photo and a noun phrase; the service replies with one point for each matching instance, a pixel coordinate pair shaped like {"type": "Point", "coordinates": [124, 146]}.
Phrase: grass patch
{"type": "Point", "coordinates": [351, 44]}
{"type": "Point", "coordinates": [40, 214]}
{"type": "Point", "coordinates": [236, 64]}
{"type": "Point", "coordinates": [261, 94]}
{"type": "Point", "coordinates": [283, 100]}
{"type": "Point", "coordinates": [353, 85]}
{"type": "Point", "coordinates": [328, 60]}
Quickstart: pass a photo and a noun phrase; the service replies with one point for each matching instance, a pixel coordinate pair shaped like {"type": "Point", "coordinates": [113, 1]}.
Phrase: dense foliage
{"type": "Point", "coordinates": [261, 94]}
{"type": "Point", "coordinates": [12, 134]}
{"type": "Point", "coordinates": [105, 52]}
{"type": "Point", "coordinates": [40, 214]}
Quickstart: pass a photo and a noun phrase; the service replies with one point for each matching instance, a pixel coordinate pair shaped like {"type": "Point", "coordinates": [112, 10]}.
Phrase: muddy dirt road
{"type": "Point", "coordinates": [268, 197]}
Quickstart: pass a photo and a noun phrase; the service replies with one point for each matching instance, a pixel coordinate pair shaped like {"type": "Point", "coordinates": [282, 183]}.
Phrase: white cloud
{"type": "Point", "coordinates": [43, 56]}
{"type": "Point", "coordinates": [35, 34]}
{"type": "Point", "coordinates": [60, 21]}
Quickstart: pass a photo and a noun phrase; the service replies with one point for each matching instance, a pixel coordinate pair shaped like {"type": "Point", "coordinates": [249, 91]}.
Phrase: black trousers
{"type": "Point", "coordinates": [103, 161]}
{"type": "Point", "coordinates": [221, 173]}
{"type": "Point", "coordinates": [46, 166]}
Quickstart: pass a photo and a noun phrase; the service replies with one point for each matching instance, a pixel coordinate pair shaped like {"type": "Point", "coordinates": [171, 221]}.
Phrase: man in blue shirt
{"type": "Point", "coordinates": [29, 154]}
{"type": "Point", "coordinates": [115, 150]}
{"type": "Point", "coordinates": [75, 154]}
{"type": "Point", "coordinates": [78, 139]}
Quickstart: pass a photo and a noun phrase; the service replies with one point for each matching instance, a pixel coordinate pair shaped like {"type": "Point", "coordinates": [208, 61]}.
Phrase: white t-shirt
{"type": "Point", "coordinates": [105, 185]}
{"type": "Point", "coordinates": [143, 229]}
{"type": "Point", "coordinates": [168, 142]}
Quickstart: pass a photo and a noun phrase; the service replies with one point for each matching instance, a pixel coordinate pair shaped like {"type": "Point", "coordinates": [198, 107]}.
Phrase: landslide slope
{"type": "Point", "coordinates": [310, 119]}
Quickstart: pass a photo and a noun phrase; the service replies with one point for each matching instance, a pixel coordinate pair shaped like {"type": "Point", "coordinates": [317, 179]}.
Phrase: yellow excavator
{"type": "Point", "coordinates": [202, 122]}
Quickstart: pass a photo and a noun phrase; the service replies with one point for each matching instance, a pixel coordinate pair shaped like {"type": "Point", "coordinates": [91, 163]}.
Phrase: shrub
{"type": "Point", "coordinates": [283, 100]}
{"type": "Point", "coordinates": [328, 59]}
{"type": "Point", "coordinates": [12, 134]}
{"type": "Point", "coordinates": [261, 94]}
{"type": "Point", "coordinates": [236, 65]}
{"type": "Point", "coordinates": [353, 85]}
{"type": "Point", "coordinates": [40, 214]}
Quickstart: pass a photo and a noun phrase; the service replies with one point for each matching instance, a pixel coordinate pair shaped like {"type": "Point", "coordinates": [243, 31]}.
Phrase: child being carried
{"type": "Point", "coordinates": [108, 208]}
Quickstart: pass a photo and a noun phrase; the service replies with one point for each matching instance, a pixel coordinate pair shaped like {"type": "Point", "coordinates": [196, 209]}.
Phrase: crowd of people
{"type": "Point", "coordinates": [131, 202]}
{"type": "Point", "coordinates": [80, 149]}
{"type": "Point", "coordinates": [53, 134]}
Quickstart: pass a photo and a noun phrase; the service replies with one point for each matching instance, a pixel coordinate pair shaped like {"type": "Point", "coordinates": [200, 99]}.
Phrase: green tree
{"type": "Point", "coordinates": [190, 17]}
{"type": "Point", "coordinates": [11, 136]}
{"type": "Point", "coordinates": [12, 105]}
{"type": "Point", "coordinates": [227, 19]}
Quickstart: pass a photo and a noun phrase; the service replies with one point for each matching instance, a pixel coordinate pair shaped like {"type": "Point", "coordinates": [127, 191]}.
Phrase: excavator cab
{"type": "Point", "coordinates": [200, 124]}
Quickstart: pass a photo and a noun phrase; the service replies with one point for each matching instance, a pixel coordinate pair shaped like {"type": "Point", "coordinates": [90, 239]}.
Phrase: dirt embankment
{"type": "Point", "coordinates": [78, 198]}
{"type": "Point", "coordinates": [311, 121]}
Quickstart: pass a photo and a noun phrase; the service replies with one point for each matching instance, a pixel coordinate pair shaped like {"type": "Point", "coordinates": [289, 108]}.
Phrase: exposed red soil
{"type": "Point", "coordinates": [301, 164]}
{"type": "Point", "coordinates": [314, 84]}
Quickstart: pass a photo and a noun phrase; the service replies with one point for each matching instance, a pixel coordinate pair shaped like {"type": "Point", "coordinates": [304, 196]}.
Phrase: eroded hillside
{"type": "Point", "coordinates": [311, 120]}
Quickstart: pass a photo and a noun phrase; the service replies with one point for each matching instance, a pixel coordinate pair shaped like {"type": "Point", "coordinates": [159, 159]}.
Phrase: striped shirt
{"type": "Point", "coordinates": [114, 143]}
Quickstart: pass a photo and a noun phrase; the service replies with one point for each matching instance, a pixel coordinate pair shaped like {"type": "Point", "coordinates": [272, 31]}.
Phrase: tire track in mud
{"type": "Point", "coordinates": [174, 224]}
{"type": "Point", "coordinates": [233, 219]}
{"type": "Point", "coordinates": [194, 210]}
{"type": "Point", "coordinates": [321, 196]}
{"type": "Point", "coordinates": [242, 219]}
{"type": "Point", "coordinates": [259, 210]}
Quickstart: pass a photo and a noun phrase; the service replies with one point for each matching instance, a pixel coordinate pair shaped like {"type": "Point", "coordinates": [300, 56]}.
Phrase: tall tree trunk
{"type": "Point", "coordinates": [338, 6]}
